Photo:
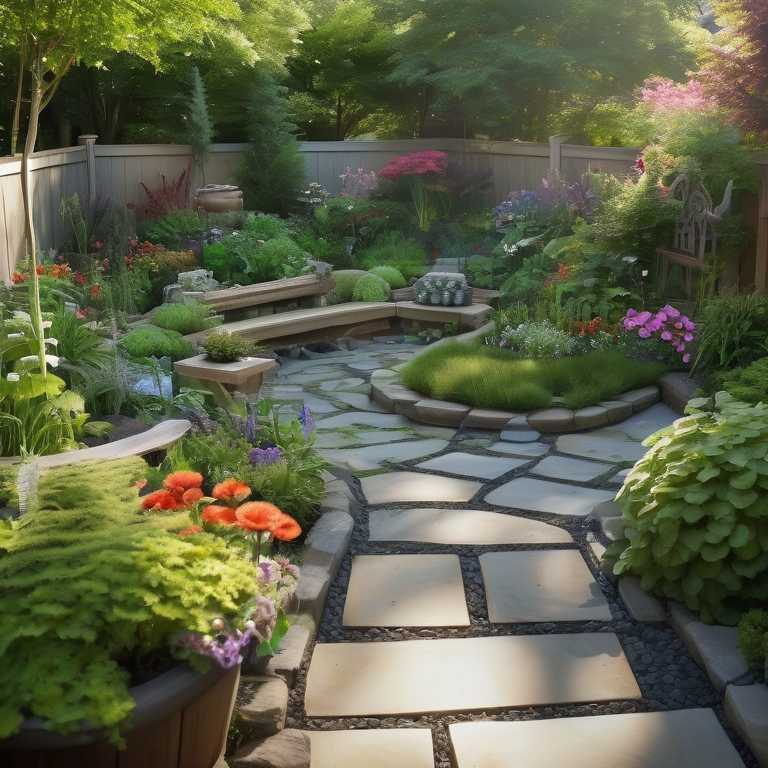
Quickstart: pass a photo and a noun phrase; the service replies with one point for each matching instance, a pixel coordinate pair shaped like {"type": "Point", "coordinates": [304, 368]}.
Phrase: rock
{"type": "Point", "coordinates": [607, 509]}
{"type": "Point", "coordinates": [552, 420]}
{"type": "Point", "coordinates": [677, 389]}
{"type": "Point", "coordinates": [288, 749]}
{"type": "Point", "coordinates": [286, 662]}
{"type": "Point", "coordinates": [482, 418]}
{"type": "Point", "coordinates": [592, 416]}
{"type": "Point", "coordinates": [613, 527]}
{"type": "Point", "coordinates": [606, 566]}
{"type": "Point", "coordinates": [265, 712]}
{"type": "Point", "coordinates": [440, 412]}
{"type": "Point", "coordinates": [746, 707]}
{"type": "Point", "coordinates": [641, 398]}
{"type": "Point", "coordinates": [641, 606]}
{"type": "Point", "coordinates": [328, 540]}
{"type": "Point", "coordinates": [198, 280]}
{"type": "Point", "coordinates": [617, 410]}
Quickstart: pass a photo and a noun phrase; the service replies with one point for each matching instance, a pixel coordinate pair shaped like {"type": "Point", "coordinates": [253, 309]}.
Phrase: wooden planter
{"type": "Point", "coordinates": [180, 721]}
{"type": "Point", "coordinates": [244, 376]}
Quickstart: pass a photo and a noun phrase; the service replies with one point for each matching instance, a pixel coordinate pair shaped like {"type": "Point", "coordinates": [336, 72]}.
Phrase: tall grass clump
{"type": "Point", "coordinates": [488, 377]}
{"type": "Point", "coordinates": [185, 318]}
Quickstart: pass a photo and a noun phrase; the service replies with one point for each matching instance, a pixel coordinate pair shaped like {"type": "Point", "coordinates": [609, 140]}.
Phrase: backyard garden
{"type": "Point", "coordinates": [213, 421]}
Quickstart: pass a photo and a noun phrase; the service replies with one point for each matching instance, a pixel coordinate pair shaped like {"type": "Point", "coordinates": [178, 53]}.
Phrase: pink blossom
{"type": "Point", "coordinates": [670, 311]}
{"type": "Point", "coordinates": [664, 97]}
{"type": "Point", "coordinates": [680, 347]}
{"type": "Point", "coordinates": [661, 316]}
{"type": "Point", "coordinates": [644, 317]}
{"type": "Point", "coordinates": [686, 358]}
{"type": "Point", "coordinates": [688, 325]}
{"type": "Point", "coordinates": [629, 324]}
{"type": "Point", "coordinates": [631, 312]}
{"type": "Point", "coordinates": [643, 333]}
{"type": "Point", "coordinates": [679, 326]}
{"type": "Point", "coordinates": [653, 325]}
{"type": "Point", "coordinates": [666, 335]}
{"type": "Point", "coordinates": [417, 164]}
{"type": "Point", "coordinates": [688, 337]}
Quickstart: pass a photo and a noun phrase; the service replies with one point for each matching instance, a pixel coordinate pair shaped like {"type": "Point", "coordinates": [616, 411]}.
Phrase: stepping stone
{"type": "Point", "coordinates": [472, 465]}
{"type": "Point", "coordinates": [362, 437]}
{"type": "Point", "coordinates": [392, 487]}
{"type": "Point", "coordinates": [389, 748]}
{"type": "Point", "coordinates": [333, 384]}
{"type": "Point", "coordinates": [487, 419]}
{"type": "Point", "coordinates": [601, 448]}
{"type": "Point", "coordinates": [543, 496]}
{"type": "Point", "coordinates": [687, 738]}
{"type": "Point", "coordinates": [372, 457]}
{"type": "Point", "coordinates": [461, 526]}
{"type": "Point", "coordinates": [456, 675]}
{"type": "Point", "coordinates": [406, 591]}
{"type": "Point", "coordinates": [546, 585]}
{"type": "Point", "coordinates": [350, 418]}
{"type": "Point", "coordinates": [620, 477]}
{"type": "Point", "coordinates": [358, 400]}
{"type": "Point", "coordinates": [315, 404]}
{"type": "Point", "coordinates": [645, 423]}
{"type": "Point", "coordinates": [532, 450]}
{"type": "Point", "coordinates": [519, 435]}
{"type": "Point", "coordinates": [562, 468]}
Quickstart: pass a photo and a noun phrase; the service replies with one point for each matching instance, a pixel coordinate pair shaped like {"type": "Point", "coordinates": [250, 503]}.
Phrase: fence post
{"type": "Point", "coordinates": [88, 140]}
{"type": "Point", "coordinates": [555, 152]}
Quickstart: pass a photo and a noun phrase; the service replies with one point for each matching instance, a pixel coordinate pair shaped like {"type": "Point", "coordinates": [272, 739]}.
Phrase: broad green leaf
{"type": "Point", "coordinates": [692, 585]}
{"type": "Point", "coordinates": [713, 552]}
{"type": "Point", "coordinates": [744, 480]}
{"type": "Point", "coordinates": [708, 473]}
{"type": "Point", "coordinates": [740, 536]}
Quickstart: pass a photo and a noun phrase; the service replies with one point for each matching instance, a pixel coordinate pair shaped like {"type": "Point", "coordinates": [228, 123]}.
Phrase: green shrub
{"type": "Point", "coordinates": [186, 318]}
{"type": "Point", "coordinates": [489, 377]}
{"type": "Point", "coordinates": [371, 288]}
{"type": "Point", "coordinates": [276, 259]}
{"type": "Point", "coordinates": [753, 637]}
{"type": "Point", "coordinates": [346, 280]}
{"type": "Point", "coordinates": [217, 259]}
{"type": "Point", "coordinates": [266, 227]}
{"type": "Point", "coordinates": [749, 384]}
{"type": "Point", "coordinates": [169, 229]}
{"type": "Point", "coordinates": [391, 275]}
{"type": "Point", "coordinates": [151, 341]}
{"type": "Point", "coordinates": [534, 339]}
{"type": "Point", "coordinates": [394, 249]}
{"type": "Point", "coordinates": [695, 510]}
{"type": "Point", "coordinates": [224, 347]}
{"type": "Point", "coordinates": [89, 581]}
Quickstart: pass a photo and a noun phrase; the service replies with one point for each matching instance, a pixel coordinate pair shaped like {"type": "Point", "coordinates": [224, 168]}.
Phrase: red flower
{"type": "Point", "coordinates": [231, 490]}
{"type": "Point", "coordinates": [96, 246]}
{"type": "Point", "coordinates": [80, 278]}
{"type": "Point", "coordinates": [191, 496]}
{"type": "Point", "coordinates": [159, 500]}
{"type": "Point", "coordinates": [18, 277]}
{"type": "Point", "coordinates": [190, 531]}
{"type": "Point", "coordinates": [258, 516]}
{"type": "Point", "coordinates": [40, 269]}
{"type": "Point", "coordinates": [95, 289]}
{"type": "Point", "coordinates": [217, 514]}
{"type": "Point", "coordinates": [286, 528]}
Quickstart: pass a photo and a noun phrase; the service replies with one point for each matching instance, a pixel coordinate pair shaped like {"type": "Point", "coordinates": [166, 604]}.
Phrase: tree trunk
{"type": "Point", "coordinates": [17, 106]}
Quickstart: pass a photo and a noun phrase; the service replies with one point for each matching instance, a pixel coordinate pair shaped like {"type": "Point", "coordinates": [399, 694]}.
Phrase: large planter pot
{"type": "Point", "coordinates": [180, 721]}
{"type": "Point", "coordinates": [217, 198]}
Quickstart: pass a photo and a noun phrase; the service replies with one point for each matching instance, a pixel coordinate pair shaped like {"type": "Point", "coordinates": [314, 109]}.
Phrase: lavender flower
{"type": "Point", "coordinates": [226, 648]}
{"type": "Point", "coordinates": [306, 421]}
{"type": "Point", "coordinates": [262, 457]}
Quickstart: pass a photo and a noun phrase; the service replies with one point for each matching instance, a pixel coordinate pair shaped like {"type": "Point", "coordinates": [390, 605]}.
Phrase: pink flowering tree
{"type": "Point", "coordinates": [667, 324]}
{"type": "Point", "coordinates": [424, 173]}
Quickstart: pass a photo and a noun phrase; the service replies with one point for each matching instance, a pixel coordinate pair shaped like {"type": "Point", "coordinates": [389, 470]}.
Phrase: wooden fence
{"type": "Point", "coordinates": [118, 172]}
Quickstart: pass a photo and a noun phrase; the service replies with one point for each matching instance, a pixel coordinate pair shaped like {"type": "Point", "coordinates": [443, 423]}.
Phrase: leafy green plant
{"type": "Point", "coordinates": [532, 339]}
{"type": "Point", "coordinates": [393, 249]}
{"type": "Point", "coordinates": [392, 275]}
{"type": "Point", "coordinates": [151, 341]}
{"type": "Point", "coordinates": [185, 318]}
{"type": "Point", "coordinates": [371, 287]}
{"type": "Point", "coordinates": [80, 348]}
{"type": "Point", "coordinates": [753, 637]}
{"type": "Point", "coordinates": [749, 384]}
{"type": "Point", "coordinates": [695, 511]}
{"type": "Point", "coordinates": [225, 347]}
{"type": "Point", "coordinates": [346, 280]}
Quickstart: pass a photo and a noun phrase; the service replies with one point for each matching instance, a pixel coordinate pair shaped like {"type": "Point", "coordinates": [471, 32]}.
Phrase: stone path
{"type": "Point", "coordinates": [469, 625]}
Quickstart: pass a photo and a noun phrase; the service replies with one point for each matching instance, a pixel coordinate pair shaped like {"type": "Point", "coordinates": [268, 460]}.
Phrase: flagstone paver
{"type": "Point", "coordinates": [334, 384]}
{"type": "Point", "coordinates": [562, 468]}
{"type": "Point", "coordinates": [352, 418]}
{"type": "Point", "coordinates": [361, 437]}
{"type": "Point", "coordinates": [543, 496]}
{"type": "Point", "coordinates": [372, 457]}
{"type": "Point", "coordinates": [546, 585]}
{"type": "Point", "coordinates": [413, 676]}
{"type": "Point", "coordinates": [533, 450]}
{"type": "Point", "coordinates": [471, 465]}
{"type": "Point", "coordinates": [359, 401]}
{"type": "Point", "coordinates": [394, 487]}
{"type": "Point", "coordinates": [390, 748]}
{"type": "Point", "coordinates": [406, 591]}
{"type": "Point", "coordinates": [520, 435]}
{"type": "Point", "coordinates": [601, 448]}
{"type": "Point", "coordinates": [461, 526]}
{"type": "Point", "coordinates": [645, 423]}
{"type": "Point", "coordinates": [688, 738]}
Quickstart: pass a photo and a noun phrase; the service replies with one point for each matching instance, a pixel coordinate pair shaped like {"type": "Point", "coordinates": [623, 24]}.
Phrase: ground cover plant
{"type": "Point", "coordinates": [488, 377]}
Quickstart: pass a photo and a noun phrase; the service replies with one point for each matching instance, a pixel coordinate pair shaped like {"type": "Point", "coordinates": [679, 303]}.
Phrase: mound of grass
{"type": "Point", "coordinates": [346, 280]}
{"type": "Point", "coordinates": [488, 377]}
{"type": "Point", "coordinates": [371, 287]}
{"type": "Point", "coordinates": [391, 275]}
{"type": "Point", "coordinates": [151, 341]}
{"type": "Point", "coordinates": [185, 318]}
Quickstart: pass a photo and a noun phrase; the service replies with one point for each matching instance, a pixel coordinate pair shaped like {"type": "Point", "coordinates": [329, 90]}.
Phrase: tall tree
{"type": "Point", "coordinates": [736, 71]}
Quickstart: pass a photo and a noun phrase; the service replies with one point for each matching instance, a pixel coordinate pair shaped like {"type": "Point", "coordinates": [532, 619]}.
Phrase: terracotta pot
{"type": "Point", "coordinates": [216, 198]}
{"type": "Point", "coordinates": [180, 721]}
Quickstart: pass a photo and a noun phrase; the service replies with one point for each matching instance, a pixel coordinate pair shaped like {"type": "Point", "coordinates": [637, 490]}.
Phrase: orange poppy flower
{"type": "Point", "coordinates": [161, 499]}
{"type": "Point", "coordinates": [191, 496]}
{"type": "Point", "coordinates": [258, 516]}
{"type": "Point", "coordinates": [190, 531]}
{"type": "Point", "coordinates": [216, 514]}
{"type": "Point", "coordinates": [231, 490]}
{"type": "Point", "coordinates": [183, 480]}
{"type": "Point", "coordinates": [287, 528]}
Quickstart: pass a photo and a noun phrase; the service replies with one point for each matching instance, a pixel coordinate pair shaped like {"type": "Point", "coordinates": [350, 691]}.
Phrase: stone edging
{"type": "Point", "coordinates": [264, 714]}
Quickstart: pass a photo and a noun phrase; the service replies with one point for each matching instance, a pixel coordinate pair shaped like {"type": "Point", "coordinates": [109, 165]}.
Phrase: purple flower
{"type": "Point", "coordinates": [643, 333]}
{"type": "Point", "coordinates": [262, 457]}
{"type": "Point", "coordinates": [686, 357]}
{"type": "Point", "coordinates": [688, 325]}
{"type": "Point", "coordinates": [306, 421]}
{"type": "Point", "coordinates": [660, 316]}
{"type": "Point", "coordinates": [644, 317]}
{"type": "Point", "coordinates": [679, 326]}
{"type": "Point", "coordinates": [631, 312]}
{"type": "Point", "coordinates": [630, 325]}
{"type": "Point", "coordinates": [688, 337]}
{"type": "Point", "coordinates": [267, 573]}
{"type": "Point", "coordinates": [653, 325]}
{"type": "Point", "coordinates": [670, 311]}
{"type": "Point", "coordinates": [666, 335]}
{"type": "Point", "coordinates": [680, 347]}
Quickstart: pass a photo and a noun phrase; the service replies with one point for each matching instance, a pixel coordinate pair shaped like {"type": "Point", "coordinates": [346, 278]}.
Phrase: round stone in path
{"type": "Point", "coordinates": [519, 435]}
{"type": "Point", "coordinates": [461, 526]}
{"type": "Point", "coordinates": [393, 487]}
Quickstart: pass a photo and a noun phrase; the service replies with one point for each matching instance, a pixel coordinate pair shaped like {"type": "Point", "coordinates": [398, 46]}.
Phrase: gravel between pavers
{"type": "Point", "coordinates": [668, 676]}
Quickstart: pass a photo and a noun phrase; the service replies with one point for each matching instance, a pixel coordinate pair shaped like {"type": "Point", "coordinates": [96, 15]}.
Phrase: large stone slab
{"type": "Point", "coordinates": [362, 437]}
{"type": "Point", "coordinates": [406, 591]}
{"type": "Point", "coordinates": [461, 526]}
{"type": "Point", "coordinates": [746, 707]}
{"type": "Point", "coordinates": [351, 418]}
{"type": "Point", "coordinates": [333, 384]}
{"type": "Point", "coordinates": [358, 400]}
{"type": "Point", "coordinates": [645, 423]}
{"type": "Point", "coordinates": [601, 448]}
{"type": "Point", "coordinates": [477, 673]}
{"type": "Point", "coordinates": [543, 496]}
{"type": "Point", "coordinates": [544, 585]}
{"type": "Point", "coordinates": [688, 738]}
{"type": "Point", "coordinates": [390, 748]}
{"type": "Point", "coordinates": [393, 487]}
{"type": "Point", "coordinates": [372, 456]}
{"type": "Point", "coordinates": [641, 606]}
{"type": "Point", "coordinates": [563, 468]}
{"type": "Point", "coordinates": [472, 465]}
{"type": "Point", "coordinates": [485, 418]}
{"type": "Point", "coordinates": [287, 749]}
{"type": "Point", "coordinates": [529, 450]}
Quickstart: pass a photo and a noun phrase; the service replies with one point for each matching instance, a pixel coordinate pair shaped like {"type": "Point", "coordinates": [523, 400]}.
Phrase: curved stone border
{"type": "Point", "coordinates": [389, 392]}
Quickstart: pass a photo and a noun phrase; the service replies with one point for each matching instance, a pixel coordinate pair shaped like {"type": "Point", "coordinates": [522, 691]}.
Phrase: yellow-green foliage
{"type": "Point", "coordinates": [87, 580]}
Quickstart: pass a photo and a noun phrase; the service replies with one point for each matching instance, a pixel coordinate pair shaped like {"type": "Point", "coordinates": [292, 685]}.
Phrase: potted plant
{"type": "Point", "coordinates": [123, 623]}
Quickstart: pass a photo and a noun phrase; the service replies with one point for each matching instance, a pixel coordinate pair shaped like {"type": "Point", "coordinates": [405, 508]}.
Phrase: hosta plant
{"type": "Point", "coordinates": [696, 510]}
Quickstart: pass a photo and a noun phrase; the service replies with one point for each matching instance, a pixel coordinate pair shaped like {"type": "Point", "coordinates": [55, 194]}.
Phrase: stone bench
{"type": "Point", "coordinates": [360, 317]}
